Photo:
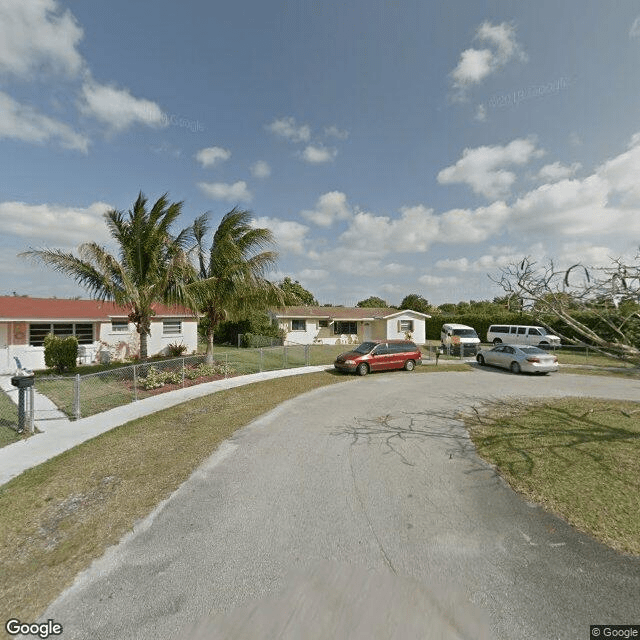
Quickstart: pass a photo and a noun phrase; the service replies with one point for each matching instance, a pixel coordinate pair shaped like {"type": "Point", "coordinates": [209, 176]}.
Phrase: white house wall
{"type": "Point", "coordinates": [418, 333]}
{"type": "Point", "coordinates": [119, 344]}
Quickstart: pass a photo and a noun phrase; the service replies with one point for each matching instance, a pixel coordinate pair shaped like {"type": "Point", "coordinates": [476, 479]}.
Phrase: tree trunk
{"type": "Point", "coordinates": [143, 346]}
{"type": "Point", "coordinates": [209, 356]}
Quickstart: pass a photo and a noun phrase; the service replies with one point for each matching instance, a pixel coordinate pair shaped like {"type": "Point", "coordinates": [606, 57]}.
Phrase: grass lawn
{"type": "Point", "coordinates": [576, 457]}
{"type": "Point", "coordinates": [8, 417]}
{"type": "Point", "coordinates": [57, 517]}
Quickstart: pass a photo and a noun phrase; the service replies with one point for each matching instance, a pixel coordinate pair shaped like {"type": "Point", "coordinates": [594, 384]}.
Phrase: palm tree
{"type": "Point", "coordinates": [231, 280]}
{"type": "Point", "coordinates": [152, 266]}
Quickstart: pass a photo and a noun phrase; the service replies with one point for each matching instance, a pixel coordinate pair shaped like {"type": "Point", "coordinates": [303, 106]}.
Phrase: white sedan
{"type": "Point", "coordinates": [519, 357]}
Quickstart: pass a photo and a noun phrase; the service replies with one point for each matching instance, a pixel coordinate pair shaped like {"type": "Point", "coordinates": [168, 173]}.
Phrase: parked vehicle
{"type": "Point", "coordinates": [521, 334]}
{"type": "Point", "coordinates": [378, 355]}
{"type": "Point", "coordinates": [459, 337]}
{"type": "Point", "coordinates": [519, 357]}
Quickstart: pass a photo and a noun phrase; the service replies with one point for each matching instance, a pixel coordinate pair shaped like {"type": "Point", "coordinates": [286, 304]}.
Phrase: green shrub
{"type": "Point", "coordinates": [60, 354]}
{"type": "Point", "coordinates": [176, 350]}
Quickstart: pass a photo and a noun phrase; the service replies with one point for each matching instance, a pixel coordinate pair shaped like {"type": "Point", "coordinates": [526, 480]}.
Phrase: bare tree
{"type": "Point", "coordinates": [610, 295]}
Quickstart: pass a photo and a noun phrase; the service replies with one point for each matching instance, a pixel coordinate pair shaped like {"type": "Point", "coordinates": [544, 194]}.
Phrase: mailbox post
{"type": "Point", "coordinates": [23, 383]}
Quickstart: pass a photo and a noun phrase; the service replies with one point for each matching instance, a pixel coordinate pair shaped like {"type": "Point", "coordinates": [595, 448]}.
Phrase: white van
{"type": "Point", "coordinates": [521, 334]}
{"type": "Point", "coordinates": [459, 336]}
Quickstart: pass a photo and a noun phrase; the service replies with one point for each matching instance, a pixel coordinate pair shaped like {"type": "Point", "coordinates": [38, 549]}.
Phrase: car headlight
{"type": "Point", "coordinates": [349, 361]}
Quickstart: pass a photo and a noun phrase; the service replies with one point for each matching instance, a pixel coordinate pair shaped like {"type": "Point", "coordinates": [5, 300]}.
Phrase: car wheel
{"type": "Point", "coordinates": [409, 365]}
{"type": "Point", "coordinates": [362, 369]}
{"type": "Point", "coordinates": [497, 341]}
{"type": "Point", "coordinates": [515, 367]}
{"type": "Point", "coordinates": [480, 359]}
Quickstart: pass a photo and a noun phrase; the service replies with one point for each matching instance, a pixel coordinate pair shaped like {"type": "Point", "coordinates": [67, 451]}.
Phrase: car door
{"type": "Point", "coordinates": [379, 357]}
{"type": "Point", "coordinates": [494, 356]}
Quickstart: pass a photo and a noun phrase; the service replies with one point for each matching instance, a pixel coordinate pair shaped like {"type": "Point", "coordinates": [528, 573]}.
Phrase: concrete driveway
{"type": "Point", "coordinates": [317, 522]}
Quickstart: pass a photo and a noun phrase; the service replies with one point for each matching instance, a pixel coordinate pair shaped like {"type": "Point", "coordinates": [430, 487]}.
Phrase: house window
{"type": "Point", "coordinates": [119, 326]}
{"type": "Point", "coordinates": [83, 331]}
{"type": "Point", "coordinates": [298, 325]}
{"type": "Point", "coordinates": [323, 324]}
{"type": "Point", "coordinates": [345, 327]}
{"type": "Point", "coordinates": [406, 325]}
{"type": "Point", "coordinates": [171, 327]}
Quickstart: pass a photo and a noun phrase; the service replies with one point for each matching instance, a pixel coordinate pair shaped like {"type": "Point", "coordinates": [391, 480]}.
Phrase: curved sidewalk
{"type": "Point", "coordinates": [60, 434]}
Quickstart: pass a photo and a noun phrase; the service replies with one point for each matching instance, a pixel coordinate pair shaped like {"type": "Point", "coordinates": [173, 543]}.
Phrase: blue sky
{"type": "Point", "coordinates": [393, 147]}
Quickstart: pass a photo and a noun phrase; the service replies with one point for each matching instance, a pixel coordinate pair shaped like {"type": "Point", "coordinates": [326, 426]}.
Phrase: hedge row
{"type": "Point", "coordinates": [481, 324]}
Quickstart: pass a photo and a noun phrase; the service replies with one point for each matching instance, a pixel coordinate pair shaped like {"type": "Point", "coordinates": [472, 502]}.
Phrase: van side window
{"type": "Point", "coordinates": [522, 331]}
{"type": "Point", "coordinates": [499, 329]}
{"type": "Point", "coordinates": [534, 332]}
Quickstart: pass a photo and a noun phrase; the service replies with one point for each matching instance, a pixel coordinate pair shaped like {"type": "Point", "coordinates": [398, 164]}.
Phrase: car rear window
{"type": "Point", "coordinates": [401, 347]}
{"type": "Point", "coordinates": [532, 350]}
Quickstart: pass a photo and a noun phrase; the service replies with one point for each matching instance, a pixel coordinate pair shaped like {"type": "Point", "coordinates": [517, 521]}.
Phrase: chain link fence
{"type": "Point", "coordinates": [85, 395]}
{"type": "Point", "coordinates": [8, 411]}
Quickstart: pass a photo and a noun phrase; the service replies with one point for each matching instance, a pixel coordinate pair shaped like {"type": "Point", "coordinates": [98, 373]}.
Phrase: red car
{"type": "Point", "coordinates": [378, 355]}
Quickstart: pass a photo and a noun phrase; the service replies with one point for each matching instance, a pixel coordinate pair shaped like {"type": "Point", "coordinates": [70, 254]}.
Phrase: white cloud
{"type": "Point", "coordinates": [313, 274]}
{"type": "Point", "coordinates": [289, 235]}
{"type": "Point", "coordinates": [36, 34]}
{"type": "Point", "coordinates": [395, 268]}
{"type": "Point", "coordinates": [480, 168]}
{"type": "Point", "coordinates": [236, 192]}
{"type": "Point", "coordinates": [289, 129]}
{"type": "Point", "coordinates": [317, 154]}
{"type": "Point", "coordinates": [449, 264]}
{"type": "Point", "coordinates": [334, 132]}
{"type": "Point", "coordinates": [462, 226]}
{"type": "Point", "coordinates": [430, 280]}
{"type": "Point", "coordinates": [261, 169]}
{"type": "Point", "coordinates": [211, 156]}
{"type": "Point", "coordinates": [118, 108]}
{"type": "Point", "coordinates": [50, 224]}
{"type": "Point", "coordinates": [567, 207]}
{"type": "Point", "coordinates": [481, 113]}
{"type": "Point", "coordinates": [476, 64]}
{"type": "Point", "coordinates": [415, 230]}
{"type": "Point", "coordinates": [634, 31]}
{"type": "Point", "coordinates": [621, 173]}
{"type": "Point", "coordinates": [587, 254]}
{"type": "Point", "coordinates": [330, 206]}
{"type": "Point", "coordinates": [22, 122]}
{"type": "Point", "coordinates": [558, 171]}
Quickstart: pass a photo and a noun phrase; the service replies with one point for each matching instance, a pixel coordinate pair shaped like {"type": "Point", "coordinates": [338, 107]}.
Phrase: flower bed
{"type": "Point", "coordinates": [158, 381]}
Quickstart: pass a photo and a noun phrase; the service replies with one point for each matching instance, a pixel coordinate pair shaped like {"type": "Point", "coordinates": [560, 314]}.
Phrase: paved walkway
{"type": "Point", "coordinates": [60, 434]}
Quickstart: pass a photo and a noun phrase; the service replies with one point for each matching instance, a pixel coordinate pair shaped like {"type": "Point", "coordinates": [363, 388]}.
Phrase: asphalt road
{"type": "Point", "coordinates": [319, 521]}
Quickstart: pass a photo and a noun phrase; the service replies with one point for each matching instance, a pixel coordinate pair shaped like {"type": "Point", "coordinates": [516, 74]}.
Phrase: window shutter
{"type": "Point", "coordinates": [399, 326]}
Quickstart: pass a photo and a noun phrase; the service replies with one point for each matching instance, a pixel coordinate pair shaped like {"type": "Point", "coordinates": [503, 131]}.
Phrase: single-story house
{"type": "Point", "coordinates": [102, 329]}
{"type": "Point", "coordinates": [348, 325]}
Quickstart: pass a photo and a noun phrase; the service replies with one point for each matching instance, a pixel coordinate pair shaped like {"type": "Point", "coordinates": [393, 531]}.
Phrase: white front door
{"type": "Point", "coordinates": [3, 335]}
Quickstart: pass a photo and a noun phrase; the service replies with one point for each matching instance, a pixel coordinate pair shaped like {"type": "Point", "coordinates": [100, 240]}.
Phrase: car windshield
{"type": "Point", "coordinates": [533, 350]}
{"type": "Point", "coordinates": [465, 333]}
{"type": "Point", "coordinates": [365, 347]}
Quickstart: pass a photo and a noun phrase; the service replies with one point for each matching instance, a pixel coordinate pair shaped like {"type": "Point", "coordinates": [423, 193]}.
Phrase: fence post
{"type": "Point", "coordinates": [226, 365]}
{"type": "Point", "coordinates": [76, 397]}
{"type": "Point", "coordinates": [183, 373]}
{"type": "Point", "coordinates": [261, 360]}
{"type": "Point", "coordinates": [135, 382]}
{"type": "Point", "coordinates": [306, 354]}
{"type": "Point", "coordinates": [284, 356]}
{"type": "Point", "coordinates": [586, 358]}
{"type": "Point", "coordinates": [32, 410]}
